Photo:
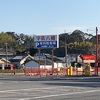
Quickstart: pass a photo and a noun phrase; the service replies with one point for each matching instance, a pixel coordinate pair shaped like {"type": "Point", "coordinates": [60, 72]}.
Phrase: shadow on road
{"type": "Point", "coordinates": [93, 82]}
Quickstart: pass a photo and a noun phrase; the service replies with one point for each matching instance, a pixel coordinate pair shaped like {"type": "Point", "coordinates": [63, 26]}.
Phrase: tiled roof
{"type": "Point", "coordinates": [55, 59]}
{"type": "Point", "coordinates": [8, 56]}
{"type": "Point", "coordinates": [18, 57]}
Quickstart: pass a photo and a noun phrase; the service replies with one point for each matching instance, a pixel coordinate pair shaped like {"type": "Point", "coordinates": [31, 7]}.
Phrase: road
{"type": "Point", "coordinates": [49, 88]}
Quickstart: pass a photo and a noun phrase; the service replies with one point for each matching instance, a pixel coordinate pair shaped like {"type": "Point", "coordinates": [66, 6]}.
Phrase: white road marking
{"type": "Point", "coordinates": [56, 95]}
{"type": "Point", "coordinates": [4, 91]}
{"type": "Point", "coordinates": [49, 90]}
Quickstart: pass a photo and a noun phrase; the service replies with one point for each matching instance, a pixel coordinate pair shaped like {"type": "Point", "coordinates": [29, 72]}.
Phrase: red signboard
{"type": "Point", "coordinates": [88, 56]}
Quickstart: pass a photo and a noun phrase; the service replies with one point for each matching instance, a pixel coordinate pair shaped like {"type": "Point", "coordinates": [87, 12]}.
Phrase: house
{"type": "Point", "coordinates": [44, 63]}
{"type": "Point", "coordinates": [29, 61]}
{"type": "Point", "coordinates": [32, 66]}
{"type": "Point", "coordinates": [19, 60]}
{"type": "Point", "coordinates": [58, 62]}
{"type": "Point", "coordinates": [4, 64]}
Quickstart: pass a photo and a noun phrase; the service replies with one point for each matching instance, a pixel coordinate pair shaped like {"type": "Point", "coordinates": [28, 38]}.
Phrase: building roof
{"type": "Point", "coordinates": [21, 58]}
{"type": "Point", "coordinates": [42, 61]}
{"type": "Point", "coordinates": [3, 61]}
{"type": "Point", "coordinates": [7, 56]}
{"type": "Point", "coordinates": [55, 59]}
{"type": "Point", "coordinates": [18, 57]}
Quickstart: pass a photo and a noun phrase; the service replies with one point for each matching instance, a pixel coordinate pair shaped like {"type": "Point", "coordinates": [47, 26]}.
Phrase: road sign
{"type": "Point", "coordinates": [46, 41]}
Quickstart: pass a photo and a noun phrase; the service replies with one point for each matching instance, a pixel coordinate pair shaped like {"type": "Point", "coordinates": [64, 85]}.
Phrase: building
{"type": "Point", "coordinates": [19, 60]}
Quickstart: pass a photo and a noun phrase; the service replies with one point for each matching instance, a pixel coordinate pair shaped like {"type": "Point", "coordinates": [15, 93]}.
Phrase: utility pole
{"type": "Point", "coordinates": [39, 63]}
{"type": "Point", "coordinates": [65, 49]}
{"type": "Point", "coordinates": [66, 59]}
{"type": "Point", "coordinates": [52, 61]}
{"type": "Point", "coordinates": [96, 60]}
{"type": "Point", "coordinates": [6, 54]}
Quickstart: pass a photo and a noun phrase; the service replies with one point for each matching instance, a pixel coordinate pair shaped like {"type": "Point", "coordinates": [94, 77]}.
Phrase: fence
{"type": "Point", "coordinates": [56, 71]}
{"type": "Point", "coordinates": [45, 71]}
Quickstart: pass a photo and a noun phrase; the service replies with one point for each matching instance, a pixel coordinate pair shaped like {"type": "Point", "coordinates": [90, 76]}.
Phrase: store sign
{"type": "Point", "coordinates": [46, 41]}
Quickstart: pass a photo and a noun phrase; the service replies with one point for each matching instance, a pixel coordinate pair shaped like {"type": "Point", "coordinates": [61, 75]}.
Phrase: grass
{"type": "Point", "coordinates": [12, 71]}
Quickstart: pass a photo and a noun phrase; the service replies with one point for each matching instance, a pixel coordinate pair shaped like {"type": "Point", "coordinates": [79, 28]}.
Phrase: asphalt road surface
{"type": "Point", "coordinates": [49, 88]}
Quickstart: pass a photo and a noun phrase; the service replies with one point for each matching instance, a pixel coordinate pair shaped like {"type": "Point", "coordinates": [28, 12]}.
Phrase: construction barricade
{"type": "Point", "coordinates": [45, 71]}
{"type": "Point", "coordinates": [87, 69]}
{"type": "Point", "coordinates": [70, 70]}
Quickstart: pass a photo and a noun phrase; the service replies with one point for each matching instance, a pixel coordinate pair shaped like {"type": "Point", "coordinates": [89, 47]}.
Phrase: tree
{"type": "Point", "coordinates": [78, 42]}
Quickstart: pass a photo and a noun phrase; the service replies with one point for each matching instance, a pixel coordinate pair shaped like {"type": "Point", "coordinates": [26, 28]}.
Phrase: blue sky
{"type": "Point", "coordinates": [35, 17]}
